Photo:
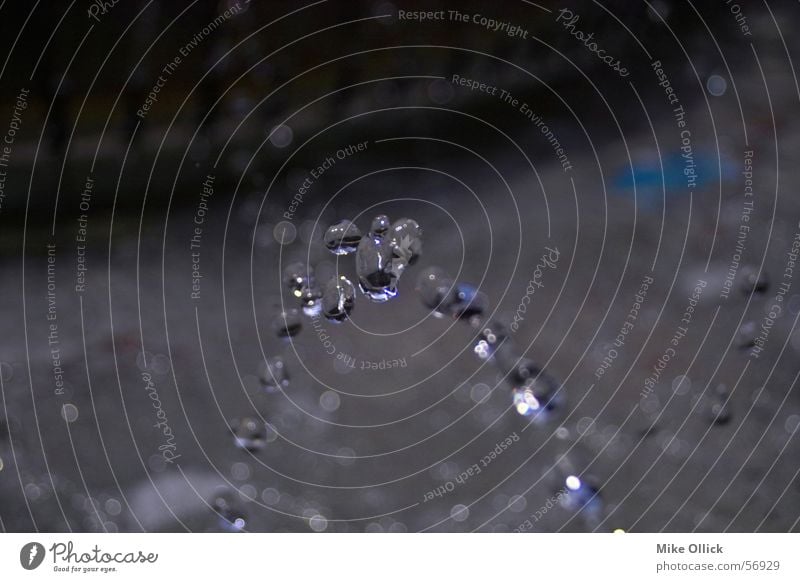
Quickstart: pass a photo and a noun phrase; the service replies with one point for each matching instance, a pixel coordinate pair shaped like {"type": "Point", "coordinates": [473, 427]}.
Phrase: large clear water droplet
{"type": "Point", "coordinates": [342, 238]}
{"type": "Point", "coordinates": [406, 238]}
{"type": "Point", "coordinates": [338, 299]}
{"type": "Point", "coordinates": [376, 269]}
{"type": "Point", "coordinates": [436, 290]}
{"type": "Point", "coordinates": [287, 323]}
{"type": "Point", "coordinates": [249, 434]}
{"type": "Point", "coordinates": [380, 225]}
{"type": "Point", "coordinates": [274, 375]}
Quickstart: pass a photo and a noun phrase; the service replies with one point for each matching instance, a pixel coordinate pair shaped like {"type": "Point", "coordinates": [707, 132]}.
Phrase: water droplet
{"type": "Point", "coordinates": [249, 434]}
{"type": "Point", "coordinates": [746, 335]}
{"type": "Point", "coordinates": [310, 299]}
{"type": "Point", "coordinates": [338, 299]}
{"type": "Point", "coordinates": [717, 406]}
{"type": "Point", "coordinates": [581, 493]}
{"type": "Point", "coordinates": [753, 281]}
{"type": "Point", "coordinates": [493, 334]}
{"type": "Point", "coordinates": [229, 509]}
{"type": "Point", "coordinates": [538, 397]}
{"type": "Point", "coordinates": [296, 276]}
{"type": "Point", "coordinates": [469, 303]}
{"type": "Point", "coordinates": [405, 236]}
{"type": "Point", "coordinates": [287, 323]}
{"type": "Point", "coordinates": [522, 370]}
{"type": "Point", "coordinates": [377, 272]}
{"type": "Point", "coordinates": [274, 376]}
{"type": "Point", "coordinates": [436, 290]}
{"type": "Point", "coordinates": [380, 225]}
{"type": "Point", "coordinates": [720, 412]}
{"type": "Point", "coordinates": [342, 238]}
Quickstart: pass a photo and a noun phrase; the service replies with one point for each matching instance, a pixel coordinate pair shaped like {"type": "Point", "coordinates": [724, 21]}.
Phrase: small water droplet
{"type": "Point", "coordinates": [753, 281]}
{"type": "Point", "coordinates": [469, 304]}
{"type": "Point", "coordinates": [249, 434]}
{"type": "Point", "coordinates": [380, 225]}
{"type": "Point", "coordinates": [296, 276]}
{"type": "Point", "coordinates": [274, 375]}
{"type": "Point", "coordinates": [287, 323]}
{"type": "Point", "coordinates": [338, 299]}
{"type": "Point", "coordinates": [310, 298]}
{"type": "Point", "coordinates": [436, 290]}
{"type": "Point", "coordinates": [405, 236]}
{"type": "Point", "coordinates": [746, 335]}
{"type": "Point", "coordinates": [342, 238]}
{"type": "Point", "coordinates": [538, 397]}
{"type": "Point", "coordinates": [492, 335]}
{"type": "Point", "coordinates": [229, 509]}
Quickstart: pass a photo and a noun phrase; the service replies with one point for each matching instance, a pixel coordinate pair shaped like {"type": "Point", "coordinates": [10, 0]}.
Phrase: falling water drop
{"type": "Point", "coordinates": [492, 336]}
{"type": "Point", "coordinates": [249, 434]}
{"type": "Point", "coordinates": [296, 276]}
{"type": "Point", "coordinates": [405, 236]}
{"type": "Point", "coordinates": [754, 281]}
{"type": "Point", "coordinates": [342, 238]}
{"type": "Point", "coordinates": [287, 323]}
{"type": "Point", "coordinates": [470, 304]}
{"type": "Point", "coordinates": [311, 299]}
{"type": "Point", "coordinates": [377, 272]}
{"type": "Point", "coordinates": [436, 290]}
{"type": "Point", "coordinates": [274, 375]}
{"type": "Point", "coordinates": [538, 397]}
{"type": "Point", "coordinates": [338, 299]}
{"type": "Point", "coordinates": [380, 225]}
{"type": "Point", "coordinates": [230, 511]}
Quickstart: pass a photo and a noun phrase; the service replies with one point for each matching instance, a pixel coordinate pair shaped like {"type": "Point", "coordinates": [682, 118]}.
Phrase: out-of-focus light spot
{"type": "Point", "coordinates": [318, 523]}
{"type": "Point", "coordinates": [716, 85]}
{"type": "Point", "coordinates": [573, 483]}
{"type": "Point", "coordinates": [459, 512]}
{"type": "Point", "coordinates": [69, 412]}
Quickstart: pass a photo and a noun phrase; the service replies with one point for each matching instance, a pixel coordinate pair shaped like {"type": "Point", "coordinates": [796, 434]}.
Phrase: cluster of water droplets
{"type": "Point", "coordinates": [534, 393]}
{"type": "Point", "coordinates": [447, 298]}
{"type": "Point", "coordinates": [382, 255]}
